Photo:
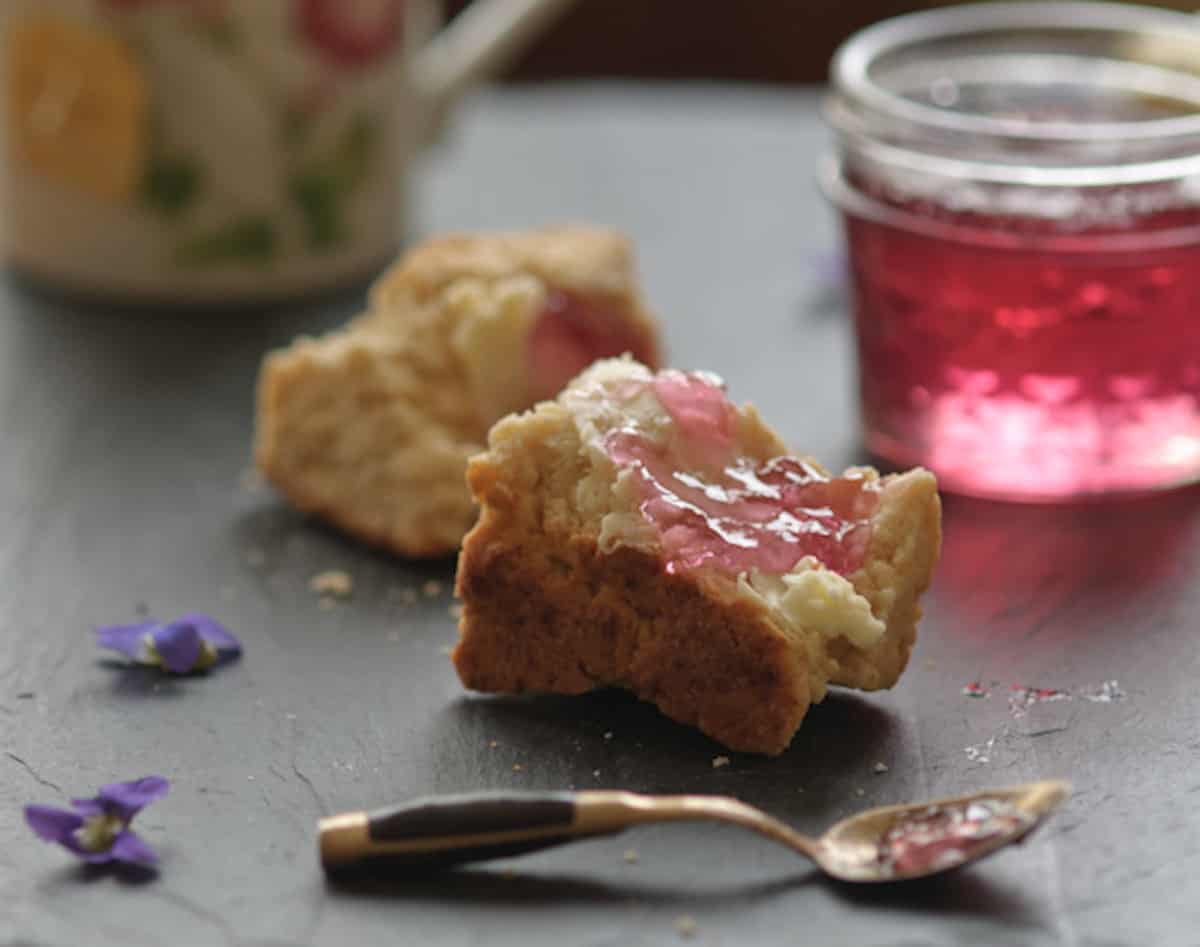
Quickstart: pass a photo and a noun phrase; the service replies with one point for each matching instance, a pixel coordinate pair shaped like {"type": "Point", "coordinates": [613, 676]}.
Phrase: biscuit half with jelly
{"type": "Point", "coordinates": [643, 532]}
{"type": "Point", "coordinates": [371, 426]}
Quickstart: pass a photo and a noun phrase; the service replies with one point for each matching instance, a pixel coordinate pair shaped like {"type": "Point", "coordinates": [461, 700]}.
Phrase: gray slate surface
{"type": "Point", "coordinates": [122, 439]}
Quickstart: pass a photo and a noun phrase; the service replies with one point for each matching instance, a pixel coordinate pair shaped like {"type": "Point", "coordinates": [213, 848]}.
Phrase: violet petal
{"type": "Point", "coordinates": [179, 645]}
{"type": "Point", "coordinates": [51, 823]}
{"type": "Point", "coordinates": [89, 807]}
{"type": "Point", "coordinates": [129, 848]}
{"type": "Point", "coordinates": [62, 826]}
{"type": "Point", "coordinates": [214, 633]}
{"type": "Point", "coordinates": [129, 640]}
{"type": "Point", "coordinates": [125, 800]}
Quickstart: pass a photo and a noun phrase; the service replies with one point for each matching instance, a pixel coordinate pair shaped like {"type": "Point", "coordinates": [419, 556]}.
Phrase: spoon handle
{"type": "Point", "coordinates": [453, 830]}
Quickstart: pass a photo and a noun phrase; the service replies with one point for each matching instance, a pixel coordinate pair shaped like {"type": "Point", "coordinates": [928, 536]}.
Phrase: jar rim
{"type": "Point", "coordinates": [956, 169]}
{"type": "Point", "coordinates": [854, 59]}
{"type": "Point", "coordinates": [853, 202]}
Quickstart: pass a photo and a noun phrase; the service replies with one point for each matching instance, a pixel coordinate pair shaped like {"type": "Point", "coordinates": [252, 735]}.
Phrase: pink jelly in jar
{"type": "Point", "coordinates": [1020, 186]}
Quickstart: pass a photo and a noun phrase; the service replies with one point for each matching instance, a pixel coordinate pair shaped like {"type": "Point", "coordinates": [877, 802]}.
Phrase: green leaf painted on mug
{"type": "Point", "coordinates": [355, 151]}
{"type": "Point", "coordinates": [320, 189]}
{"type": "Point", "coordinates": [170, 184]}
{"type": "Point", "coordinates": [251, 239]}
{"type": "Point", "coordinates": [319, 198]}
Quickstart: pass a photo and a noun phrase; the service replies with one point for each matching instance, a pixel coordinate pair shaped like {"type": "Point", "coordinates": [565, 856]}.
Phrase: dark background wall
{"type": "Point", "coordinates": [763, 40]}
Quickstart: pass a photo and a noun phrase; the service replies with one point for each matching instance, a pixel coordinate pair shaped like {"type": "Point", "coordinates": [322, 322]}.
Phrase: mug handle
{"type": "Point", "coordinates": [478, 42]}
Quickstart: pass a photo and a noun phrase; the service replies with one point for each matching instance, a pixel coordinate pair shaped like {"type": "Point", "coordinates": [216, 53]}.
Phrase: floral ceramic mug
{"type": "Point", "coordinates": [225, 150]}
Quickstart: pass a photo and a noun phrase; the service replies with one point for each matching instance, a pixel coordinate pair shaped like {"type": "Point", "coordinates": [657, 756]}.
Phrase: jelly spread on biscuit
{"type": "Point", "coordinates": [713, 506]}
{"type": "Point", "coordinates": [570, 333]}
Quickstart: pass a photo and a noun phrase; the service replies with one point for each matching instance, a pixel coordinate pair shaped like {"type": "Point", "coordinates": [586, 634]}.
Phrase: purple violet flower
{"type": "Point", "coordinates": [98, 829]}
{"type": "Point", "coordinates": [194, 642]}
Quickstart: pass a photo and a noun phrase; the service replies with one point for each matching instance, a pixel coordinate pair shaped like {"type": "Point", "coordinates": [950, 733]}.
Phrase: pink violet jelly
{"type": "Point", "coordinates": [571, 333]}
{"type": "Point", "coordinates": [714, 507]}
{"type": "Point", "coordinates": [1023, 223]}
{"type": "Point", "coordinates": [945, 836]}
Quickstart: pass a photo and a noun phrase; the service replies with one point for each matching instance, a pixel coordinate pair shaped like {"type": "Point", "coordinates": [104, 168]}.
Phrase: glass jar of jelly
{"type": "Point", "coordinates": [1020, 189]}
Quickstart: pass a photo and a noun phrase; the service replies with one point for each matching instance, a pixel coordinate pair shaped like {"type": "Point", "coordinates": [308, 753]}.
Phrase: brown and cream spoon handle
{"type": "Point", "coordinates": [455, 830]}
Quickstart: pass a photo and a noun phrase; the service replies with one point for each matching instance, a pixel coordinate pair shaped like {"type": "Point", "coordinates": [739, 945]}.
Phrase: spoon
{"type": "Point", "coordinates": [890, 843]}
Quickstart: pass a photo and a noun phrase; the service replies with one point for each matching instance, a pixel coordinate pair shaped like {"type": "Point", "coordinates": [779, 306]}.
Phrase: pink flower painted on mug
{"type": "Point", "coordinates": [351, 33]}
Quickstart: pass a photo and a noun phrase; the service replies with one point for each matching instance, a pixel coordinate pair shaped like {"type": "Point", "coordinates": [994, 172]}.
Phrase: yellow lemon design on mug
{"type": "Point", "coordinates": [76, 105]}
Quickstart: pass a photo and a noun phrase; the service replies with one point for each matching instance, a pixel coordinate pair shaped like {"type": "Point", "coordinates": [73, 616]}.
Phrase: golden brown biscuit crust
{"type": "Point", "coordinates": [555, 615]}
{"type": "Point", "coordinates": [348, 431]}
{"type": "Point", "coordinates": [590, 260]}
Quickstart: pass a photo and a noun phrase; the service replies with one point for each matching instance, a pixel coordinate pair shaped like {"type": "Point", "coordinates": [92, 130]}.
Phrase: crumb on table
{"type": "Point", "coordinates": [333, 582]}
{"type": "Point", "coordinates": [455, 610]}
{"type": "Point", "coordinates": [685, 925]}
{"type": "Point", "coordinates": [881, 767]}
{"type": "Point", "coordinates": [719, 761]}
{"type": "Point", "coordinates": [432, 588]}
{"type": "Point", "coordinates": [402, 594]}
{"type": "Point", "coordinates": [631, 856]}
